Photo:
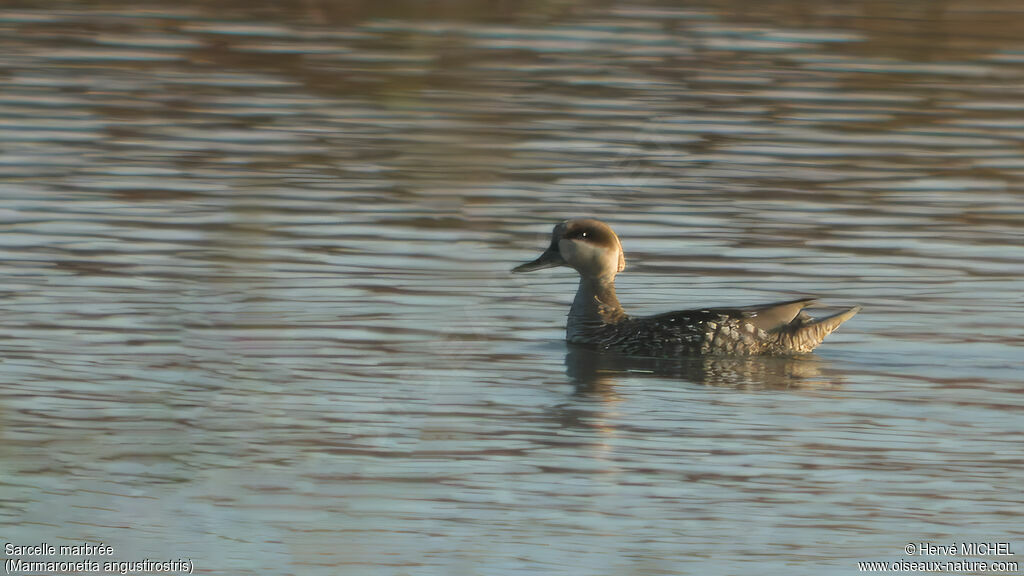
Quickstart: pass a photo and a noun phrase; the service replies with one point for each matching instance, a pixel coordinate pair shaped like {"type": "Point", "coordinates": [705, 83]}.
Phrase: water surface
{"type": "Point", "coordinates": [258, 310]}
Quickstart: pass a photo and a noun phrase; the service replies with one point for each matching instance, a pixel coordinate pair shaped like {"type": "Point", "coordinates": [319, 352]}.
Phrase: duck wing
{"type": "Point", "coordinates": [767, 317]}
{"type": "Point", "coordinates": [777, 328]}
{"type": "Point", "coordinates": [772, 317]}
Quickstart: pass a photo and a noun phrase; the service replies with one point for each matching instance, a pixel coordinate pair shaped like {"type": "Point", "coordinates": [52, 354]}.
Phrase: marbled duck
{"type": "Point", "coordinates": [597, 319]}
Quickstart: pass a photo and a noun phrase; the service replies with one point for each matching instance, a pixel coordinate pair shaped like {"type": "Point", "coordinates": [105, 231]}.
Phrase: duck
{"type": "Point", "coordinates": [597, 320]}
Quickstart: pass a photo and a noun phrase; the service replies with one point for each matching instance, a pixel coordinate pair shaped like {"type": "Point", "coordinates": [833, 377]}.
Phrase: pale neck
{"type": "Point", "coordinates": [596, 302]}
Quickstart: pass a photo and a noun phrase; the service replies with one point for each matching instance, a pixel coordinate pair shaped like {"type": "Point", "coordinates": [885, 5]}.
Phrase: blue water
{"type": "Point", "coordinates": [258, 311]}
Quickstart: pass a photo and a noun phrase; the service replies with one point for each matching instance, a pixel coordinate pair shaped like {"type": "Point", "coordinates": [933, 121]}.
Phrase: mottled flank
{"type": "Point", "coordinates": [597, 319]}
{"type": "Point", "coordinates": [730, 331]}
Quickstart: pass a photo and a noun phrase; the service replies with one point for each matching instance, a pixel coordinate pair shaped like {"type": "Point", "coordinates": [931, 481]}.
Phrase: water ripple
{"type": "Point", "coordinates": [258, 306]}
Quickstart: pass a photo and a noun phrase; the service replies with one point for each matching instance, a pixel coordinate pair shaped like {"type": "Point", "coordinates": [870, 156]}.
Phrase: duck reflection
{"type": "Point", "coordinates": [594, 372]}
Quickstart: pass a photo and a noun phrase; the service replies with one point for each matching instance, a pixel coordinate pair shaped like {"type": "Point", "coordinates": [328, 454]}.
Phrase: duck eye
{"type": "Point", "coordinates": [584, 234]}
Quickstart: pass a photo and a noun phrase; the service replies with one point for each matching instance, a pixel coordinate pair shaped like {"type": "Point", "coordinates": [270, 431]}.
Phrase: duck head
{"type": "Point", "coordinates": [588, 246]}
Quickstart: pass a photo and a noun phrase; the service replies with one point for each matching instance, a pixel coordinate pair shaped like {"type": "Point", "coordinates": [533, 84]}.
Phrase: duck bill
{"type": "Point", "coordinates": [549, 259]}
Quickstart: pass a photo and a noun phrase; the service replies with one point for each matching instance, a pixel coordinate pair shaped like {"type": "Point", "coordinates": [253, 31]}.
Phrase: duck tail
{"type": "Point", "coordinates": [806, 332]}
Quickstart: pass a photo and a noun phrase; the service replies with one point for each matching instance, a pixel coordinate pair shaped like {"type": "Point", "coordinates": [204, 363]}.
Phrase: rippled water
{"type": "Point", "coordinates": [258, 310]}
